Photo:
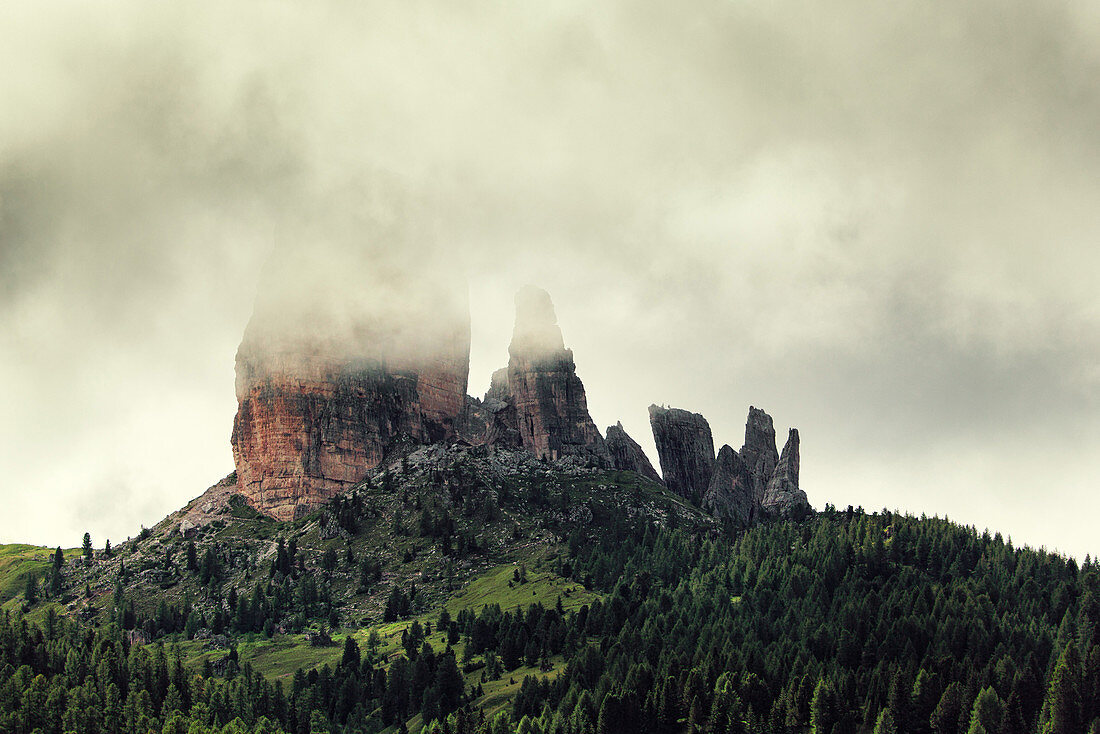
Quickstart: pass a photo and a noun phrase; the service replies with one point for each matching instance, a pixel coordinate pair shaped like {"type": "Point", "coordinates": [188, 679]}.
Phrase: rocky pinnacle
{"type": "Point", "coordinates": [685, 448]}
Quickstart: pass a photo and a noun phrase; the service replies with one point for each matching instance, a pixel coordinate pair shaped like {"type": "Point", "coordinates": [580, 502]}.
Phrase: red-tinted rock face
{"type": "Point", "coordinates": [322, 394]}
{"type": "Point", "coordinates": [627, 455]}
{"type": "Point", "coordinates": [551, 410]}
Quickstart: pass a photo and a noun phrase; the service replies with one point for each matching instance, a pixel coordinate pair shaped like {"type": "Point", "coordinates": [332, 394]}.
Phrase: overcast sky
{"type": "Point", "coordinates": [877, 221]}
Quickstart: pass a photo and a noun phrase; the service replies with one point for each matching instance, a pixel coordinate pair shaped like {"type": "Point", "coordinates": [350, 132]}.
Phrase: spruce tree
{"type": "Point", "coordinates": [885, 723]}
{"type": "Point", "coordinates": [1061, 707]}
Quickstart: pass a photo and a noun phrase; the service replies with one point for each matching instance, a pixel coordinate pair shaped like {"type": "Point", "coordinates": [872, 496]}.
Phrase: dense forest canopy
{"type": "Point", "coordinates": [840, 621]}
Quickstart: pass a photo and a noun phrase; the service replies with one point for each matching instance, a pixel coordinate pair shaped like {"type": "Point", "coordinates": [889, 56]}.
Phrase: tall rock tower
{"type": "Point", "coordinates": [551, 410]}
{"type": "Point", "coordinates": [685, 449]}
{"type": "Point", "coordinates": [330, 374]}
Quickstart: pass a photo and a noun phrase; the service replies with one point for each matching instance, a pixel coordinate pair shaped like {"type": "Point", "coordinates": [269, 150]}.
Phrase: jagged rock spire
{"type": "Point", "coordinates": [782, 492]}
{"type": "Point", "coordinates": [627, 455]}
{"type": "Point", "coordinates": [550, 404]}
{"type": "Point", "coordinates": [759, 452]}
{"type": "Point", "coordinates": [730, 494]}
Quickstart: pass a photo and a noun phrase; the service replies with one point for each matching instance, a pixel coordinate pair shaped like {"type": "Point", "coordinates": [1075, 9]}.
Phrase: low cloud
{"type": "Point", "coordinates": [876, 221]}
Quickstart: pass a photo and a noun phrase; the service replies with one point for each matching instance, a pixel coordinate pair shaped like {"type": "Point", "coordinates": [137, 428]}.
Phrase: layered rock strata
{"type": "Point", "coordinates": [685, 449]}
{"type": "Point", "coordinates": [322, 391]}
{"type": "Point", "coordinates": [627, 454]}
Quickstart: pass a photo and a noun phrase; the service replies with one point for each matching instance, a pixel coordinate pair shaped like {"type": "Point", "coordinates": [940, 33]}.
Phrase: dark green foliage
{"type": "Point", "coordinates": [398, 605]}
{"type": "Point", "coordinates": [329, 560]}
{"type": "Point", "coordinates": [840, 622]}
{"type": "Point", "coordinates": [1061, 712]}
{"type": "Point", "coordinates": [30, 590]}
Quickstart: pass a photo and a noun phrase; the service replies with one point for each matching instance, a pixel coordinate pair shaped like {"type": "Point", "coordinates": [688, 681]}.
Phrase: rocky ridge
{"type": "Point", "coordinates": [737, 486]}
{"type": "Point", "coordinates": [323, 401]}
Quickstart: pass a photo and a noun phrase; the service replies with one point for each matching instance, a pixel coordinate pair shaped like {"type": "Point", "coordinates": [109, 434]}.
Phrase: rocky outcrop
{"type": "Point", "coordinates": [685, 449]}
{"type": "Point", "coordinates": [542, 387]}
{"type": "Point", "coordinates": [759, 452]}
{"type": "Point", "coordinates": [627, 454]}
{"type": "Point", "coordinates": [730, 494]}
{"type": "Point", "coordinates": [324, 388]}
{"type": "Point", "coordinates": [492, 420]}
{"type": "Point", "coordinates": [782, 493]}
{"type": "Point", "coordinates": [738, 486]}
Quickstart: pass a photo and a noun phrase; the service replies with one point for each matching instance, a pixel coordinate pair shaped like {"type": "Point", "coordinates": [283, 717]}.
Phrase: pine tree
{"type": "Point", "coordinates": [30, 592]}
{"type": "Point", "coordinates": [945, 717]}
{"type": "Point", "coordinates": [823, 714]}
{"type": "Point", "coordinates": [351, 653]}
{"type": "Point", "coordinates": [87, 546]}
{"type": "Point", "coordinates": [885, 723]}
{"type": "Point", "coordinates": [1061, 707]}
{"type": "Point", "coordinates": [987, 713]}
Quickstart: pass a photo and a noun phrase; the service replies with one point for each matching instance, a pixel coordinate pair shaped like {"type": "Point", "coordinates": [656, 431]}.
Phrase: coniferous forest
{"type": "Point", "coordinates": [841, 621]}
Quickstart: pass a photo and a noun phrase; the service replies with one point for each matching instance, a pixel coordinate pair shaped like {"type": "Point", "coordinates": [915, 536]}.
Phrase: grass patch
{"type": "Point", "coordinates": [18, 560]}
{"type": "Point", "coordinates": [498, 586]}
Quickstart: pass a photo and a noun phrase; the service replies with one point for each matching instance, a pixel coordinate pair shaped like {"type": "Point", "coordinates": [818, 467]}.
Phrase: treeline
{"type": "Point", "coordinates": [844, 622]}
{"type": "Point", "coordinates": [70, 678]}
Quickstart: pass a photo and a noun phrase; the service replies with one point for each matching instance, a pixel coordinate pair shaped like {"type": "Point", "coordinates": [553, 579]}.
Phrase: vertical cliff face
{"type": "Point", "coordinates": [627, 455]}
{"type": "Point", "coordinates": [737, 486]}
{"type": "Point", "coordinates": [782, 492]}
{"type": "Point", "coordinates": [759, 452]}
{"type": "Point", "coordinates": [542, 387]}
{"type": "Point", "coordinates": [685, 448]}
{"type": "Point", "coordinates": [323, 388]}
{"type": "Point", "coordinates": [731, 490]}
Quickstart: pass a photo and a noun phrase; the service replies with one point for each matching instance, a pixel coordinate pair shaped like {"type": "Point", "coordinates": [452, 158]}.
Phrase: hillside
{"type": "Point", "coordinates": [497, 592]}
{"type": "Point", "coordinates": [490, 591]}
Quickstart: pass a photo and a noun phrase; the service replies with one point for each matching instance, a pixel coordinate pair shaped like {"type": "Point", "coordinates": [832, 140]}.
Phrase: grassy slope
{"type": "Point", "coordinates": [281, 656]}
{"type": "Point", "coordinates": [537, 509]}
{"type": "Point", "coordinates": [18, 560]}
